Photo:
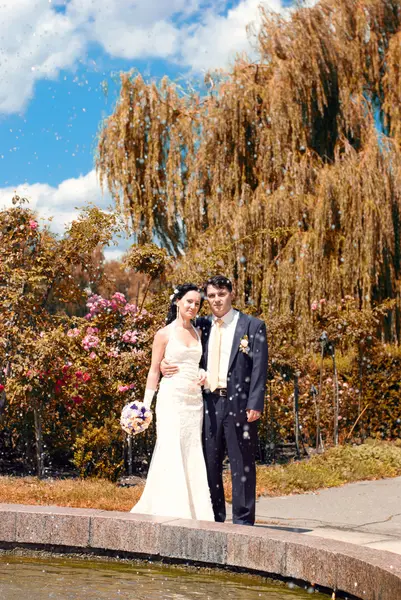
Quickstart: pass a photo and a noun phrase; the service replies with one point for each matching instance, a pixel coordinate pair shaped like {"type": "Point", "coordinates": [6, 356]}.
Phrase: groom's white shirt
{"type": "Point", "coordinates": [230, 320]}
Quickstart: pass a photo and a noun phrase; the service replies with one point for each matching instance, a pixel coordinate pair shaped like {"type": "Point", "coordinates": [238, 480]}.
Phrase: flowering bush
{"type": "Point", "coordinates": [59, 373]}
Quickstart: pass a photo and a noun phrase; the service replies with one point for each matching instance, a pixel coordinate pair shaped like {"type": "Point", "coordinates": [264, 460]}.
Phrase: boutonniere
{"type": "Point", "coordinates": [244, 345]}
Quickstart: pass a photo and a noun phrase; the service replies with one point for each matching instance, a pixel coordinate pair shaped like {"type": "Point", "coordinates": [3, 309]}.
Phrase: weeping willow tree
{"type": "Point", "coordinates": [287, 175]}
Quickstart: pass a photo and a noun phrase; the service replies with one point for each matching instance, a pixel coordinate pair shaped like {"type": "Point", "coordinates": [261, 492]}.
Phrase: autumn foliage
{"type": "Point", "coordinates": [65, 376]}
{"type": "Point", "coordinates": [285, 174]}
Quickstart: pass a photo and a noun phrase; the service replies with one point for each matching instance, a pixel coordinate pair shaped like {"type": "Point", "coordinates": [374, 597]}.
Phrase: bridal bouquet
{"type": "Point", "coordinates": [135, 417]}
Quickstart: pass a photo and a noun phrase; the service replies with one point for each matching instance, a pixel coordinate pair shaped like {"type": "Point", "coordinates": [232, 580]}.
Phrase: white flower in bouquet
{"type": "Point", "coordinates": [135, 417]}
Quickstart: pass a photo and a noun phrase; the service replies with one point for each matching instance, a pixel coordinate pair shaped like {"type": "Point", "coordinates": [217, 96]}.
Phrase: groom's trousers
{"type": "Point", "coordinates": [224, 430]}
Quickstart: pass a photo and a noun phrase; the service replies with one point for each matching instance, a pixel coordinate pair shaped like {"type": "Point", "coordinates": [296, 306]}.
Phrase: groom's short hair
{"type": "Point", "coordinates": [219, 281]}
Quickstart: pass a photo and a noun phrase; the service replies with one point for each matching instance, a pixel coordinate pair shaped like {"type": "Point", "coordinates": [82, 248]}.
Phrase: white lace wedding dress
{"type": "Point", "coordinates": [177, 485]}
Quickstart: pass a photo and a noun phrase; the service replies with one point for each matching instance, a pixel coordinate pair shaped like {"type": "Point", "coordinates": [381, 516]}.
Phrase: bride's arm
{"type": "Point", "coordinates": [202, 375]}
{"type": "Point", "coordinates": [158, 349]}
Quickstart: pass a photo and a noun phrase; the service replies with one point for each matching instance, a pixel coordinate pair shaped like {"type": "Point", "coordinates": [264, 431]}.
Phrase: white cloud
{"type": "Point", "coordinates": [216, 39]}
{"type": "Point", "coordinates": [37, 41]}
{"type": "Point", "coordinates": [194, 33]}
{"type": "Point", "coordinates": [59, 202]}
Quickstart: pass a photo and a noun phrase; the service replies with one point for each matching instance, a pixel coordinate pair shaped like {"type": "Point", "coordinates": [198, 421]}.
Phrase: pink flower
{"type": "Point", "coordinates": [90, 341]}
{"type": "Point", "coordinates": [93, 355]}
{"type": "Point", "coordinates": [130, 337]}
{"type": "Point", "coordinates": [323, 301]}
{"type": "Point", "coordinates": [314, 305]}
{"type": "Point", "coordinates": [96, 305]}
{"type": "Point", "coordinates": [86, 377]}
{"type": "Point", "coordinates": [119, 298]}
{"type": "Point", "coordinates": [92, 330]}
{"type": "Point", "coordinates": [129, 309]}
{"type": "Point", "coordinates": [123, 388]}
{"type": "Point", "coordinates": [33, 224]}
{"type": "Point", "coordinates": [73, 333]}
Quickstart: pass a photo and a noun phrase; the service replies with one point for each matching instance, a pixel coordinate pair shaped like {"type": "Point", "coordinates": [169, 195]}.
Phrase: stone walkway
{"type": "Point", "coordinates": [360, 571]}
{"type": "Point", "coordinates": [366, 513]}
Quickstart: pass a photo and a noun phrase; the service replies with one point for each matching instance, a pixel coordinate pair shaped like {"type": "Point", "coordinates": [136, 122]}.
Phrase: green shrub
{"type": "Point", "coordinates": [99, 451]}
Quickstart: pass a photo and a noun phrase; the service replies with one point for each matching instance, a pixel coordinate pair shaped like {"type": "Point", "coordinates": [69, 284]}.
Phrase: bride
{"type": "Point", "coordinates": [177, 485]}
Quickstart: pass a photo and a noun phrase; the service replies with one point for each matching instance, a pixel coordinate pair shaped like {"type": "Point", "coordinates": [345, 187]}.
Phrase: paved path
{"type": "Point", "coordinates": [367, 513]}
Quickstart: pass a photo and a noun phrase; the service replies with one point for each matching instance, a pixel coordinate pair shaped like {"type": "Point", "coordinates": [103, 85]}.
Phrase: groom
{"type": "Point", "coordinates": [235, 358]}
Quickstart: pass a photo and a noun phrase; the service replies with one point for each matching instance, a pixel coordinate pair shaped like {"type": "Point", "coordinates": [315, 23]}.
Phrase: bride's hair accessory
{"type": "Point", "coordinates": [174, 294]}
{"type": "Point", "coordinates": [135, 417]}
{"type": "Point", "coordinates": [179, 292]}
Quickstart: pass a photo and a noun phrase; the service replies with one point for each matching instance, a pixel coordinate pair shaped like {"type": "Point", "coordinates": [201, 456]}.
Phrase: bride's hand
{"type": "Point", "coordinates": [167, 369]}
{"type": "Point", "coordinates": [202, 377]}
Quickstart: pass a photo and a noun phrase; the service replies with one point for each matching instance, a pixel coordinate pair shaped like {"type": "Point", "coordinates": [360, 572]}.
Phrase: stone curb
{"type": "Point", "coordinates": [359, 571]}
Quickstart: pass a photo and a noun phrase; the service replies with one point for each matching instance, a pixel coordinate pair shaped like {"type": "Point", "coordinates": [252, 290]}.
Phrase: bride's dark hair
{"type": "Point", "coordinates": [179, 292]}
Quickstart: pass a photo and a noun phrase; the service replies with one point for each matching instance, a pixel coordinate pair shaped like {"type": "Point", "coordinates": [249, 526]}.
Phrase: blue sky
{"type": "Point", "coordinates": [55, 57]}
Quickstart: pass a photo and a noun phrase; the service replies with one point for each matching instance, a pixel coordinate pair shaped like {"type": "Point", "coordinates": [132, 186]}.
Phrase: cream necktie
{"type": "Point", "coordinates": [215, 356]}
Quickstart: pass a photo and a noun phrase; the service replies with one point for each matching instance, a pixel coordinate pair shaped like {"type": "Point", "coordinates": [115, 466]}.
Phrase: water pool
{"type": "Point", "coordinates": [35, 578]}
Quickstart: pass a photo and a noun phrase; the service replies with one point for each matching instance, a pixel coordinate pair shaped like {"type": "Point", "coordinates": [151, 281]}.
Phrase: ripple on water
{"type": "Point", "coordinates": [71, 579]}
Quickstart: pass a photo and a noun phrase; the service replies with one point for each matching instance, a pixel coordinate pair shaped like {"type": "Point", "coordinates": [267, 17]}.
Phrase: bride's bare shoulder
{"type": "Point", "coordinates": [163, 334]}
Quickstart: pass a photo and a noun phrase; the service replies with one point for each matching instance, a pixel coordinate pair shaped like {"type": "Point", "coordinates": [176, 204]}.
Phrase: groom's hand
{"type": "Point", "coordinates": [253, 415]}
{"type": "Point", "coordinates": [167, 369]}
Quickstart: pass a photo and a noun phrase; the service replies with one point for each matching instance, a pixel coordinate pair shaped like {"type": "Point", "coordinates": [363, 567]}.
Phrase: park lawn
{"type": "Point", "coordinates": [78, 493]}
{"type": "Point", "coordinates": [337, 466]}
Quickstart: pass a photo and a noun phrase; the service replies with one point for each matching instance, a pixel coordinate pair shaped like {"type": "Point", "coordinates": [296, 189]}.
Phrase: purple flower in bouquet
{"type": "Point", "coordinates": [135, 417]}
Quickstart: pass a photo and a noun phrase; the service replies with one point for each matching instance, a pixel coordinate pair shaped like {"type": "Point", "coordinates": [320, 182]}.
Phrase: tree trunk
{"type": "Point", "coordinates": [270, 441]}
{"type": "Point", "coordinates": [145, 293]}
{"type": "Point", "coordinates": [3, 398]}
{"type": "Point", "coordinates": [360, 395]}
{"type": "Point", "coordinates": [335, 400]}
{"type": "Point", "coordinates": [39, 441]}
{"type": "Point", "coordinates": [2, 403]}
{"type": "Point", "coordinates": [319, 442]}
{"type": "Point", "coordinates": [296, 414]}
{"type": "Point", "coordinates": [129, 454]}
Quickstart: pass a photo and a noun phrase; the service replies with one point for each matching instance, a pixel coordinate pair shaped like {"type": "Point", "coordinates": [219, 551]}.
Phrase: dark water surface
{"type": "Point", "coordinates": [34, 578]}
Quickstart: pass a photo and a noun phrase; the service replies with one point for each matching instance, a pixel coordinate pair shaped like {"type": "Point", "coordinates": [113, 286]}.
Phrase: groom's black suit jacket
{"type": "Point", "coordinates": [247, 372]}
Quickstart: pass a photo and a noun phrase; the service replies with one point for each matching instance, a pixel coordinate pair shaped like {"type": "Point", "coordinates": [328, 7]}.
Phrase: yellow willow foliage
{"type": "Point", "coordinates": [286, 176]}
{"type": "Point", "coordinates": [140, 156]}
